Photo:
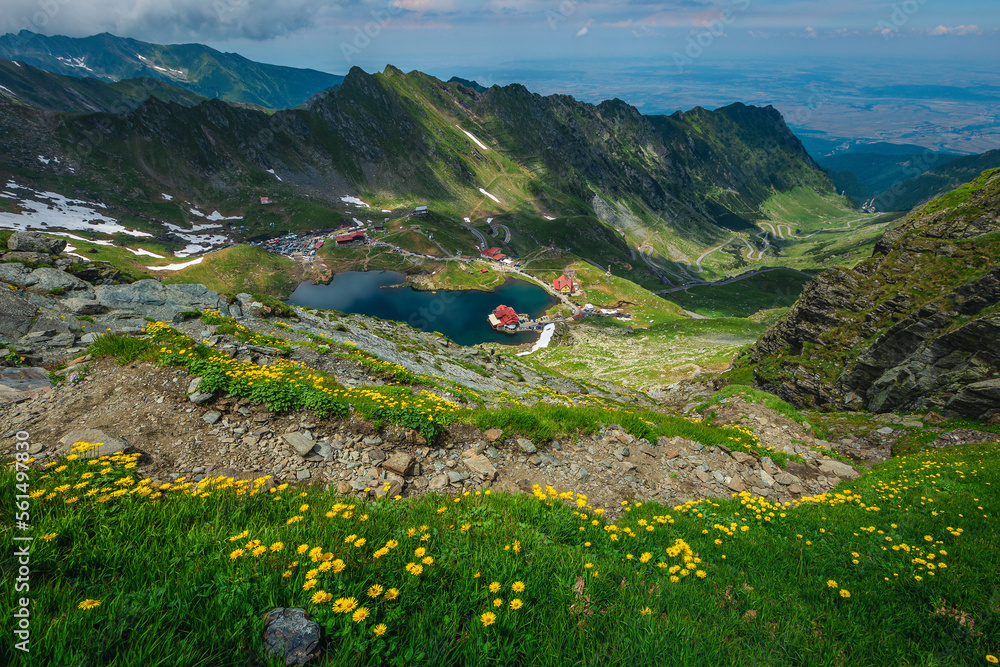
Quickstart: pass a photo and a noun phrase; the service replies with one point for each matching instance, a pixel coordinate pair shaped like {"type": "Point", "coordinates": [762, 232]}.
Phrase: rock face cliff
{"type": "Point", "coordinates": [915, 327]}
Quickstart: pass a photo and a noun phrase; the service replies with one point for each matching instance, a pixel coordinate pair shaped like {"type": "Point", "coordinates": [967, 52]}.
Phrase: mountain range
{"type": "Point", "coordinates": [194, 67]}
{"type": "Point", "coordinates": [692, 177]}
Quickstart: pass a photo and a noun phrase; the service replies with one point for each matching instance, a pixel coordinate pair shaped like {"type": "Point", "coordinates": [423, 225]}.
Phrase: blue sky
{"type": "Point", "coordinates": [434, 35]}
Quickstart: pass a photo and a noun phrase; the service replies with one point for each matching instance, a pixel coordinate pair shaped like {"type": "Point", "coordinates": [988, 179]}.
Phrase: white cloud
{"type": "Point", "coordinates": [176, 20]}
{"type": "Point", "coordinates": [955, 30]}
{"type": "Point", "coordinates": [585, 29]}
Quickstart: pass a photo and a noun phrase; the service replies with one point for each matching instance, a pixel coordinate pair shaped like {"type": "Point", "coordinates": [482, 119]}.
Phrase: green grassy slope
{"type": "Point", "coordinates": [950, 242]}
{"type": "Point", "coordinates": [897, 567]}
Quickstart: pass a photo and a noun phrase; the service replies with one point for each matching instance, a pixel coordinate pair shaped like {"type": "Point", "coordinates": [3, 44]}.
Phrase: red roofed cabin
{"type": "Point", "coordinates": [493, 253]}
{"type": "Point", "coordinates": [505, 317]}
{"type": "Point", "coordinates": [345, 239]}
{"type": "Point", "coordinates": [266, 200]}
{"type": "Point", "coordinates": [563, 284]}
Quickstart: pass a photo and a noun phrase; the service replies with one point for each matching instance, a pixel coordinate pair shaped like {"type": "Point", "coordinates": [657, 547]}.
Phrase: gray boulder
{"type": "Point", "coordinates": [49, 279]}
{"type": "Point", "coordinates": [291, 636]}
{"type": "Point", "coordinates": [35, 242]}
{"type": "Point", "coordinates": [29, 257]}
{"type": "Point", "coordinates": [110, 444]}
{"type": "Point", "coordinates": [16, 383]}
{"type": "Point", "coordinates": [527, 446]}
{"type": "Point", "coordinates": [249, 305]}
{"type": "Point", "coordinates": [302, 443]}
{"type": "Point", "coordinates": [83, 306]}
{"type": "Point", "coordinates": [14, 272]}
{"type": "Point", "coordinates": [195, 395]}
{"type": "Point", "coordinates": [162, 302]}
{"type": "Point", "coordinates": [16, 315]}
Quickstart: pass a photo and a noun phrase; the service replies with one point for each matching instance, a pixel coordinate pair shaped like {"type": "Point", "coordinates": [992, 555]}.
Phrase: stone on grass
{"type": "Point", "coordinates": [437, 483]}
{"type": "Point", "coordinates": [832, 467]}
{"type": "Point", "coordinates": [112, 444]}
{"type": "Point", "coordinates": [527, 446]}
{"type": "Point", "coordinates": [290, 635]}
{"type": "Point", "coordinates": [35, 242]}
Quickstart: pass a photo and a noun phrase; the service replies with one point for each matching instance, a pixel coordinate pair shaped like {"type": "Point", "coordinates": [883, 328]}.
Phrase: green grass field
{"type": "Point", "coordinates": [661, 354]}
{"type": "Point", "coordinates": [240, 269]}
{"type": "Point", "coordinates": [743, 298]}
{"type": "Point", "coordinates": [898, 567]}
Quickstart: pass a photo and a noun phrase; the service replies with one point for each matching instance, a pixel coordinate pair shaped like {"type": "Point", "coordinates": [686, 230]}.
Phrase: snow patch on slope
{"type": "Point", "coordinates": [472, 136]}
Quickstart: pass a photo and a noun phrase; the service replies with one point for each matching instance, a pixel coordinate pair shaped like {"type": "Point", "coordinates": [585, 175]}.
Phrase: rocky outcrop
{"type": "Point", "coordinates": [35, 242]}
{"type": "Point", "coordinates": [163, 302]}
{"type": "Point", "coordinates": [16, 315]}
{"type": "Point", "coordinates": [913, 328]}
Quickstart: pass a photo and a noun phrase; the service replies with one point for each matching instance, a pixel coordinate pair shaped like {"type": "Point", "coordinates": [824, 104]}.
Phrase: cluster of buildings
{"type": "Point", "coordinates": [504, 318]}
{"type": "Point", "coordinates": [357, 237]}
{"type": "Point", "coordinates": [496, 255]}
{"type": "Point", "coordinates": [292, 244]}
{"type": "Point", "coordinates": [305, 245]}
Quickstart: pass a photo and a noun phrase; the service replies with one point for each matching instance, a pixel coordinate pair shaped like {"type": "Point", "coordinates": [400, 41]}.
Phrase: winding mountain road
{"type": "Point", "coordinates": [733, 279]}
{"type": "Point", "coordinates": [478, 234]}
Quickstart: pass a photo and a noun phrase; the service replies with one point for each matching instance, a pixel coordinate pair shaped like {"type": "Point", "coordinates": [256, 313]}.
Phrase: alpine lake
{"type": "Point", "coordinates": [460, 315]}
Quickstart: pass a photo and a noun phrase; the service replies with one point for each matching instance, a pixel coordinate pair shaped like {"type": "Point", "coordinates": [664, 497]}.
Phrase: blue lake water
{"type": "Point", "coordinates": [460, 315]}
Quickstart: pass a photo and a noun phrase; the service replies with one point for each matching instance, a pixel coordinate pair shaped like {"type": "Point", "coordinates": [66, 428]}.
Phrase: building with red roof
{"type": "Point", "coordinates": [563, 283]}
{"type": "Point", "coordinates": [504, 317]}
{"type": "Point", "coordinates": [344, 239]}
{"type": "Point", "coordinates": [493, 253]}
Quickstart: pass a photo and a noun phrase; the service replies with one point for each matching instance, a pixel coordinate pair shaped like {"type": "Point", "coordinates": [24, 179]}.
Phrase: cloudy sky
{"type": "Point", "coordinates": [435, 35]}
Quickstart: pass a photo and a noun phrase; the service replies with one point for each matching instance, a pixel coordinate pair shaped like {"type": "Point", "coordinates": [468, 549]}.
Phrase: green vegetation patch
{"type": "Point", "coordinates": [543, 422]}
{"type": "Point", "coordinates": [125, 349]}
{"type": "Point", "coordinates": [753, 395]}
{"type": "Point", "coordinates": [242, 269]}
{"type": "Point", "coordinates": [898, 567]}
{"type": "Point", "coordinates": [744, 297]}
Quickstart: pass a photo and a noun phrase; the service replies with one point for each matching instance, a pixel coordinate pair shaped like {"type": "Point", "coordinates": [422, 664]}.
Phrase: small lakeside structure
{"type": "Point", "coordinates": [504, 318]}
